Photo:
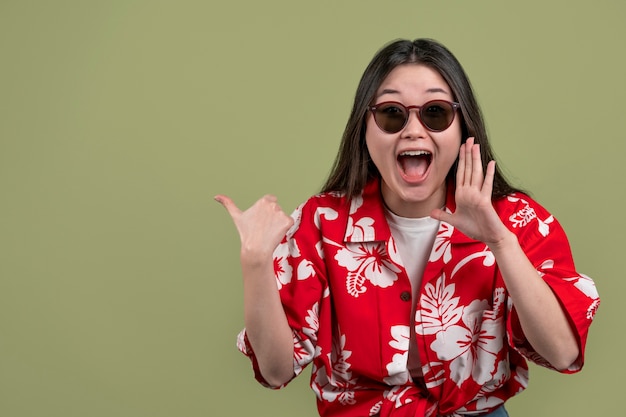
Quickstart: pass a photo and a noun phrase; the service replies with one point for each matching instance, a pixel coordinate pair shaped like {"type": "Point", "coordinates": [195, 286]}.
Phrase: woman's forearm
{"type": "Point", "coordinates": [261, 228]}
{"type": "Point", "coordinates": [541, 316]}
{"type": "Point", "coordinates": [267, 328]}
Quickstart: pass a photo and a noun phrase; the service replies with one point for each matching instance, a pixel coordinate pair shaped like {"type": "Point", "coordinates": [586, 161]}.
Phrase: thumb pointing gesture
{"type": "Point", "coordinates": [229, 205]}
{"type": "Point", "coordinates": [261, 227]}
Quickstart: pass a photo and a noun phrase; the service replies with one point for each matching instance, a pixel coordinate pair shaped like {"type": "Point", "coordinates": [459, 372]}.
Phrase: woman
{"type": "Point", "coordinates": [419, 280]}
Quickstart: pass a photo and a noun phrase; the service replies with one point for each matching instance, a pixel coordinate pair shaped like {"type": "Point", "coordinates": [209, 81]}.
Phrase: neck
{"type": "Point", "coordinates": [416, 207]}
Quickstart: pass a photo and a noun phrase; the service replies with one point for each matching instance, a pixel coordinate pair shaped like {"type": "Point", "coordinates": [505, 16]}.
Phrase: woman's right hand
{"type": "Point", "coordinates": [261, 227]}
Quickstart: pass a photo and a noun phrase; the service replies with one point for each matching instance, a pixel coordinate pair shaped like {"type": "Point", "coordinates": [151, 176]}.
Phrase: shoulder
{"type": "Point", "coordinates": [525, 216]}
{"type": "Point", "coordinates": [518, 204]}
{"type": "Point", "coordinates": [337, 211]}
{"type": "Point", "coordinates": [323, 201]}
{"type": "Point", "coordinates": [317, 210]}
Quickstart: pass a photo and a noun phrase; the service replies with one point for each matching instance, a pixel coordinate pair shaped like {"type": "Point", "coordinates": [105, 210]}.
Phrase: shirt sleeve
{"type": "Point", "coordinates": [546, 245]}
{"type": "Point", "coordinates": [300, 277]}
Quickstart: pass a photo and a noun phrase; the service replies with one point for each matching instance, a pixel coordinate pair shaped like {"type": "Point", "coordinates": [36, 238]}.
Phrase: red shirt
{"type": "Point", "coordinates": [348, 299]}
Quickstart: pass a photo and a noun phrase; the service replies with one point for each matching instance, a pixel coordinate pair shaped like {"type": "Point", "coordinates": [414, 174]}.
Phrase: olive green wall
{"type": "Point", "coordinates": [120, 292]}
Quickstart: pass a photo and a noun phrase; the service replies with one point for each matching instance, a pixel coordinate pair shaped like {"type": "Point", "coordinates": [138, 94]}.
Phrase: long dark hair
{"type": "Point", "coordinates": [353, 167]}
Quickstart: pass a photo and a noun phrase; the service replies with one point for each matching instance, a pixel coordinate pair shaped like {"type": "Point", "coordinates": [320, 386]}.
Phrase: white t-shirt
{"type": "Point", "coordinates": [414, 239]}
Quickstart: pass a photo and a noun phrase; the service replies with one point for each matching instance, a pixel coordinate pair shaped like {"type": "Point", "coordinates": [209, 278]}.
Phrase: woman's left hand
{"type": "Point", "coordinates": [547, 328]}
{"type": "Point", "coordinates": [474, 215]}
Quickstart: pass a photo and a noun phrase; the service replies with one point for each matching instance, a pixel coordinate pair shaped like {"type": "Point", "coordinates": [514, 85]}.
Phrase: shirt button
{"type": "Point", "coordinates": [405, 296]}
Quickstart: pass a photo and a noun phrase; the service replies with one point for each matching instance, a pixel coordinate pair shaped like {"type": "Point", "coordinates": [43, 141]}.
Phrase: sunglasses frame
{"type": "Point", "coordinates": [455, 106]}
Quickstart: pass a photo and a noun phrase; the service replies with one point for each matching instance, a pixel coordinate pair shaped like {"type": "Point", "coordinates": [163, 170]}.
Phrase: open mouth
{"type": "Point", "coordinates": [414, 164]}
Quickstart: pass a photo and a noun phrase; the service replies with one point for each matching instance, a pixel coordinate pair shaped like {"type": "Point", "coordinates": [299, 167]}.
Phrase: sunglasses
{"type": "Point", "coordinates": [435, 115]}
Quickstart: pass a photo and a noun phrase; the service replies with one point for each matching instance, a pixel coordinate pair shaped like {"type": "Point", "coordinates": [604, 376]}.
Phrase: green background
{"type": "Point", "coordinates": [120, 291]}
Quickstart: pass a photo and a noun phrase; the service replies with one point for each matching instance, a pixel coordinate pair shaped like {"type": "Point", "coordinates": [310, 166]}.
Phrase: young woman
{"type": "Point", "coordinates": [419, 281]}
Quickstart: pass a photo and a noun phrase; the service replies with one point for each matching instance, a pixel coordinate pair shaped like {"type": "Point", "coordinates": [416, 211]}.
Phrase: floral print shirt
{"type": "Point", "coordinates": [348, 300]}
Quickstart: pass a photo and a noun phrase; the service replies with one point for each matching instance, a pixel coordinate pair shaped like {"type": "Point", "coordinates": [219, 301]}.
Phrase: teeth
{"type": "Point", "coordinates": [414, 153]}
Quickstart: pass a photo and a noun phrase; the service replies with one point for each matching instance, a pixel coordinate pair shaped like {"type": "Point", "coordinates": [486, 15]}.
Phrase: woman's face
{"type": "Point", "coordinates": [414, 162]}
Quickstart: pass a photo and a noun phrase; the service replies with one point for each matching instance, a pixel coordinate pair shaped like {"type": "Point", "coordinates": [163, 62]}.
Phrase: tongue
{"type": "Point", "coordinates": [414, 166]}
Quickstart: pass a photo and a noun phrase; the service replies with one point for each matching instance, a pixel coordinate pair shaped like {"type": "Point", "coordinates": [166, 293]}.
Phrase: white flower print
{"type": "Point", "coordinates": [312, 319]}
{"type": "Point", "coordinates": [289, 248]}
{"type": "Point", "coordinates": [319, 247]}
{"type": "Point", "coordinates": [326, 212]}
{"type": "Point", "coordinates": [303, 351]}
{"type": "Point", "coordinates": [489, 260]}
{"type": "Point", "coordinates": [441, 247]}
{"type": "Point", "coordinates": [484, 399]}
{"type": "Point", "coordinates": [282, 268]}
{"type": "Point", "coordinates": [583, 283]}
{"type": "Point", "coordinates": [587, 287]}
{"type": "Point", "coordinates": [318, 352]}
{"type": "Point", "coordinates": [241, 342]}
{"type": "Point", "coordinates": [340, 357]}
{"type": "Point", "coordinates": [503, 373]}
{"type": "Point", "coordinates": [355, 204]}
{"type": "Point", "coordinates": [483, 403]}
{"type": "Point", "coordinates": [296, 215]}
{"type": "Point", "coordinates": [397, 395]}
{"type": "Point", "coordinates": [521, 377]}
{"type": "Point", "coordinates": [362, 230]}
{"type": "Point", "coordinates": [393, 252]}
{"type": "Point", "coordinates": [340, 386]}
{"type": "Point", "coordinates": [544, 225]}
{"type": "Point", "coordinates": [326, 292]}
{"type": "Point", "coordinates": [401, 338]}
{"type": "Point", "coordinates": [375, 410]}
{"type": "Point", "coordinates": [396, 369]}
{"type": "Point", "coordinates": [471, 348]}
{"type": "Point", "coordinates": [305, 270]}
{"type": "Point", "coordinates": [398, 374]}
{"type": "Point", "coordinates": [525, 215]}
{"type": "Point", "coordinates": [434, 373]}
{"type": "Point", "coordinates": [439, 308]}
{"type": "Point", "coordinates": [547, 264]}
{"type": "Point", "coordinates": [498, 303]}
{"type": "Point", "coordinates": [401, 395]}
{"type": "Point", "coordinates": [367, 261]}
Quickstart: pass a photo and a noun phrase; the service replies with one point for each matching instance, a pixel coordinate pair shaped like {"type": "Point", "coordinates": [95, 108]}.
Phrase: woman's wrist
{"type": "Point", "coordinates": [506, 243]}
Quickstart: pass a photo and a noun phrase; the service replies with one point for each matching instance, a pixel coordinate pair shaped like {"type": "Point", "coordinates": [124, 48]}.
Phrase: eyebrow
{"type": "Point", "coordinates": [387, 91]}
{"type": "Point", "coordinates": [430, 90]}
{"type": "Point", "coordinates": [437, 90]}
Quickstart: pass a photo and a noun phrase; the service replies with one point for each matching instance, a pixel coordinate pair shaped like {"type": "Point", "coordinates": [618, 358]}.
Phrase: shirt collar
{"type": "Point", "coordinates": [366, 220]}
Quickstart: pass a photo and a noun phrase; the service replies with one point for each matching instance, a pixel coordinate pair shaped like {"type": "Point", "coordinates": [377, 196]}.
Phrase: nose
{"type": "Point", "coordinates": [414, 127]}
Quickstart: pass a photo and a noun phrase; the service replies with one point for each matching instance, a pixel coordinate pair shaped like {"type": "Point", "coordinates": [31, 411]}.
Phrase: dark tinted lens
{"type": "Point", "coordinates": [437, 115]}
{"type": "Point", "coordinates": [390, 117]}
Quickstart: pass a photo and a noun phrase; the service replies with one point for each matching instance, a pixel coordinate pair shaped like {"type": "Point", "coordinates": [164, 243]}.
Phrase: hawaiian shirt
{"type": "Point", "coordinates": [348, 300]}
